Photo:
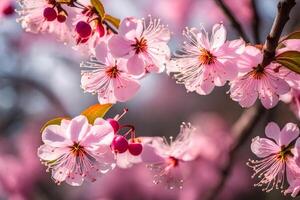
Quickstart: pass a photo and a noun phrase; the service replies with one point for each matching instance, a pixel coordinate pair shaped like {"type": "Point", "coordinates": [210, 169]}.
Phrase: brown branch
{"type": "Point", "coordinates": [232, 19]}
{"type": "Point", "coordinates": [15, 80]}
{"type": "Point", "coordinates": [255, 22]}
{"type": "Point", "coordinates": [284, 7]}
{"type": "Point", "coordinates": [245, 125]}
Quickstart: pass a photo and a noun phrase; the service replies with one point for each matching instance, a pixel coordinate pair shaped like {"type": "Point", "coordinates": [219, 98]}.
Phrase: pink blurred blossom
{"type": "Point", "coordinates": [33, 18]}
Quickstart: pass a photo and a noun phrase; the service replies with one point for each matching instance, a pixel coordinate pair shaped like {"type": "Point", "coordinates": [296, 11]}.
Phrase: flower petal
{"type": "Point", "coordinates": [272, 131]}
{"type": "Point", "coordinates": [55, 136]}
{"type": "Point", "coordinates": [78, 128]}
{"type": "Point", "coordinates": [263, 147]}
{"type": "Point", "coordinates": [289, 133]}
{"type": "Point", "coordinates": [218, 36]}
{"type": "Point", "coordinates": [136, 65]}
{"type": "Point", "coordinates": [125, 88]}
{"type": "Point", "coordinates": [118, 46]}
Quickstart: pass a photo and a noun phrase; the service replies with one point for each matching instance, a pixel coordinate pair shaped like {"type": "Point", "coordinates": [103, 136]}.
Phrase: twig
{"type": "Point", "coordinates": [38, 86]}
{"type": "Point", "coordinates": [249, 118]}
{"type": "Point", "coordinates": [284, 7]}
{"type": "Point", "coordinates": [255, 22]}
{"type": "Point", "coordinates": [232, 19]}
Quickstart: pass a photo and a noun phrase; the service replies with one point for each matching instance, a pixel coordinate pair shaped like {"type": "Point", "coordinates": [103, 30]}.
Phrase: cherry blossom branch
{"type": "Point", "coordinates": [232, 19]}
{"type": "Point", "coordinates": [43, 89]}
{"type": "Point", "coordinates": [246, 123]}
{"type": "Point", "coordinates": [284, 7]}
{"type": "Point", "coordinates": [255, 22]}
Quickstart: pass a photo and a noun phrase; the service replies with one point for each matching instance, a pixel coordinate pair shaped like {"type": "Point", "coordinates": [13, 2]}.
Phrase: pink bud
{"type": "Point", "coordinates": [114, 123]}
{"type": "Point", "coordinates": [50, 14]}
{"type": "Point", "coordinates": [135, 148]}
{"type": "Point", "coordinates": [9, 10]}
{"type": "Point", "coordinates": [61, 18]}
{"type": "Point", "coordinates": [119, 144]}
{"type": "Point", "coordinates": [83, 29]}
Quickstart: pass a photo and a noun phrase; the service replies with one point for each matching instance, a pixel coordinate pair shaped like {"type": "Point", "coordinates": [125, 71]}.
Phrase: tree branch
{"type": "Point", "coordinates": [255, 22]}
{"type": "Point", "coordinates": [43, 89]}
{"type": "Point", "coordinates": [232, 19]}
{"type": "Point", "coordinates": [244, 126]}
{"type": "Point", "coordinates": [284, 7]}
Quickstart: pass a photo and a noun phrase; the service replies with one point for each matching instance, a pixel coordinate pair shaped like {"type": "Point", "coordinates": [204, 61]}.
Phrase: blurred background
{"type": "Point", "coordinates": [40, 80]}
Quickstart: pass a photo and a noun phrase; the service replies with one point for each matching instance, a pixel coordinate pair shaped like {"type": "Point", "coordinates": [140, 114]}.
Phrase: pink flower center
{"type": "Point", "coordinates": [50, 14]}
{"type": "Point", "coordinates": [77, 150]}
{"type": "Point", "coordinates": [284, 153]}
{"type": "Point", "coordinates": [206, 57]}
{"type": "Point", "coordinates": [172, 161]}
{"type": "Point", "coordinates": [140, 45]}
{"type": "Point", "coordinates": [257, 73]}
{"type": "Point", "coordinates": [112, 72]}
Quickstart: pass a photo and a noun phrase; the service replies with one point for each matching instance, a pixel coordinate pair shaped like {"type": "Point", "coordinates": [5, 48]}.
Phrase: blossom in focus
{"type": "Point", "coordinates": [277, 155]}
{"type": "Point", "coordinates": [165, 159]}
{"type": "Point", "coordinates": [108, 77]}
{"type": "Point", "coordinates": [204, 63]}
{"type": "Point", "coordinates": [44, 16]}
{"type": "Point", "coordinates": [7, 8]}
{"type": "Point", "coordinates": [255, 81]}
{"type": "Point", "coordinates": [143, 43]}
{"type": "Point", "coordinates": [77, 150]}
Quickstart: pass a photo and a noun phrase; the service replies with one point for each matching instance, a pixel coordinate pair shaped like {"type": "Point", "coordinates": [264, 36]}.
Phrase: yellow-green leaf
{"type": "Point", "coordinates": [99, 7]}
{"type": "Point", "coordinates": [290, 60]}
{"type": "Point", "coordinates": [113, 20]}
{"type": "Point", "coordinates": [293, 35]}
{"type": "Point", "coordinates": [55, 121]}
{"type": "Point", "coordinates": [63, 1]}
{"type": "Point", "coordinates": [95, 111]}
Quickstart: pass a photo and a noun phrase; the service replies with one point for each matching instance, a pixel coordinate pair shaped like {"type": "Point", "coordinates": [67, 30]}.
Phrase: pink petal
{"type": "Point", "coordinates": [74, 179]}
{"type": "Point", "coordinates": [118, 46]}
{"type": "Point", "coordinates": [136, 65]}
{"type": "Point", "coordinates": [101, 52]}
{"type": "Point", "coordinates": [49, 153]}
{"type": "Point", "coordinates": [131, 28]}
{"type": "Point", "coordinates": [288, 134]}
{"type": "Point", "coordinates": [218, 36]}
{"type": "Point", "coordinates": [78, 128]}
{"type": "Point", "coordinates": [263, 147]}
{"type": "Point", "coordinates": [125, 88]}
{"type": "Point", "coordinates": [55, 136]}
{"type": "Point", "coordinates": [272, 131]}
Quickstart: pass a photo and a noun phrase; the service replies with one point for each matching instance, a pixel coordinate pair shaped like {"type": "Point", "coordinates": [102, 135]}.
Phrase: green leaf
{"type": "Point", "coordinates": [55, 121]}
{"type": "Point", "coordinates": [99, 7]}
{"type": "Point", "coordinates": [290, 60]}
{"type": "Point", "coordinates": [113, 20]}
{"type": "Point", "coordinates": [96, 111]}
{"type": "Point", "coordinates": [293, 35]}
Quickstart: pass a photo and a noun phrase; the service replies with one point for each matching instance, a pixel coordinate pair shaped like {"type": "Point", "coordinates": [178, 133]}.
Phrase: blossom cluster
{"type": "Point", "coordinates": [121, 54]}
{"type": "Point", "coordinates": [75, 150]}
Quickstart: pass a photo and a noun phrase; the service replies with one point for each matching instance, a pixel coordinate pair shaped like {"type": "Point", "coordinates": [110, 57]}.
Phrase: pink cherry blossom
{"type": "Point", "coordinates": [143, 43]}
{"type": "Point", "coordinates": [256, 82]}
{"type": "Point", "coordinates": [108, 77]}
{"type": "Point", "coordinates": [202, 64]}
{"type": "Point", "coordinates": [44, 16]}
{"type": "Point", "coordinates": [76, 150]}
{"type": "Point", "coordinates": [293, 99]}
{"type": "Point", "coordinates": [166, 158]}
{"type": "Point", "coordinates": [277, 156]}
